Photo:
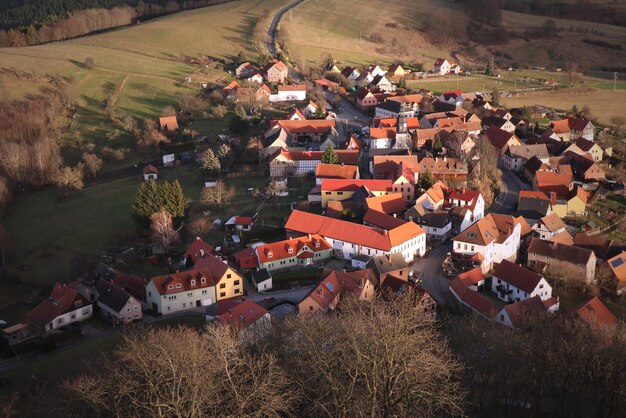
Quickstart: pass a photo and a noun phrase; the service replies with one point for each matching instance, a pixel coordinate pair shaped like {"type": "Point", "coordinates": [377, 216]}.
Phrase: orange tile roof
{"type": "Point", "coordinates": [553, 222]}
{"type": "Point", "coordinates": [493, 227]}
{"type": "Point", "coordinates": [442, 166]}
{"type": "Point", "coordinates": [379, 133]}
{"type": "Point", "coordinates": [169, 122]}
{"type": "Point", "coordinates": [617, 265]}
{"type": "Point", "coordinates": [563, 237]}
{"type": "Point", "coordinates": [292, 87]}
{"type": "Point", "coordinates": [390, 203]}
{"type": "Point", "coordinates": [471, 277]}
{"type": "Point", "coordinates": [280, 250]}
{"type": "Point", "coordinates": [382, 220]}
{"type": "Point", "coordinates": [549, 178]}
{"type": "Point", "coordinates": [307, 126]}
{"type": "Point", "coordinates": [560, 126]}
{"type": "Point", "coordinates": [594, 312]}
{"type": "Point", "coordinates": [182, 282]}
{"type": "Point", "coordinates": [334, 185]}
{"type": "Point", "coordinates": [309, 223]}
{"type": "Point", "coordinates": [336, 171]}
{"type": "Point", "coordinates": [533, 194]}
{"type": "Point", "coordinates": [473, 299]}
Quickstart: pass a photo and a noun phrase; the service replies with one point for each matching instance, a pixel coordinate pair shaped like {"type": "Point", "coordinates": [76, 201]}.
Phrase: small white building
{"type": "Point", "coordinates": [169, 160]}
{"type": "Point", "coordinates": [514, 283]}
{"type": "Point", "coordinates": [291, 93]}
{"type": "Point", "coordinates": [150, 172]}
{"type": "Point", "coordinates": [262, 280]}
{"type": "Point", "coordinates": [549, 226]}
{"type": "Point", "coordinates": [180, 291]}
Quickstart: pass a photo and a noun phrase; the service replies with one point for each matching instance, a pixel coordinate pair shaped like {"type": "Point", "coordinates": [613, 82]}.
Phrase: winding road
{"type": "Point", "coordinates": [507, 198]}
{"type": "Point", "coordinates": [273, 29]}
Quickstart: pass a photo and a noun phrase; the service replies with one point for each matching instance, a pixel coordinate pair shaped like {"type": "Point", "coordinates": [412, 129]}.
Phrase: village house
{"type": "Point", "coordinates": [517, 155]}
{"type": "Point", "coordinates": [228, 282]}
{"type": "Point", "coordinates": [617, 265]}
{"type": "Point", "coordinates": [396, 71]}
{"type": "Point", "coordinates": [276, 72]}
{"type": "Point", "coordinates": [351, 73]}
{"type": "Point", "coordinates": [549, 226]}
{"type": "Point", "coordinates": [350, 239]}
{"type": "Point", "coordinates": [595, 313]}
{"type": "Point", "coordinates": [196, 250]}
{"type": "Point", "coordinates": [452, 169]}
{"type": "Point", "coordinates": [245, 315]}
{"type": "Point", "coordinates": [583, 146]}
{"type": "Point", "coordinates": [513, 315]}
{"type": "Point", "coordinates": [150, 172]}
{"type": "Point", "coordinates": [117, 305]}
{"type": "Point", "coordinates": [442, 67]}
{"type": "Point", "coordinates": [299, 163]}
{"type": "Point", "coordinates": [391, 204]}
{"type": "Point", "coordinates": [290, 93]}
{"type": "Point", "coordinates": [380, 83]}
{"type": "Point", "coordinates": [261, 279]}
{"type": "Point", "coordinates": [366, 100]}
{"type": "Point", "coordinates": [438, 225]}
{"type": "Point", "coordinates": [326, 296]}
{"type": "Point", "coordinates": [603, 248]}
{"type": "Point", "coordinates": [386, 265]}
{"type": "Point", "coordinates": [581, 128]}
{"type": "Point", "coordinates": [312, 134]}
{"type": "Point", "coordinates": [296, 114]}
{"type": "Point", "coordinates": [245, 70]}
{"type": "Point", "coordinates": [514, 283]}
{"type": "Point", "coordinates": [180, 291]}
{"type": "Point", "coordinates": [65, 306]}
{"type": "Point", "coordinates": [381, 220]}
{"type": "Point", "coordinates": [338, 189]}
{"type": "Point", "coordinates": [562, 260]}
{"type": "Point", "coordinates": [335, 171]}
{"type": "Point", "coordinates": [303, 251]}
{"type": "Point", "coordinates": [584, 168]}
{"type": "Point", "coordinates": [501, 140]}
{"type": "Point", "coordinates": [473, 300]}
{"type": "Point", "coordinates": [495, 237]}
{"type": "Point", "coordinates": [497, 122]}
{"type": "Point", "coordinates": [473, 279]}
{"type": "Point", "coordinates": [466, 198]}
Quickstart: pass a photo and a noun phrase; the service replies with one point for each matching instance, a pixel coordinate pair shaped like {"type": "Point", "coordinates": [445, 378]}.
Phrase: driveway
{"type": "Point", "coordinates": [432, 277]}
{"type": "Point", "coordinates": [509, 192]}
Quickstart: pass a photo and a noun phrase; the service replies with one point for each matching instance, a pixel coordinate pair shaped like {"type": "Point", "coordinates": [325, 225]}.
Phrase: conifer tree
{"type": "Point", "coordinates": [210, 162]}
{"type": "Point", "coordinates": [437, 146]}
{"type": "Point", "coordinates": [176, 202]}
{"type": "Point", "coordinates": [330, 156]}
{"type": "Point", "coordinates": [147, 201]}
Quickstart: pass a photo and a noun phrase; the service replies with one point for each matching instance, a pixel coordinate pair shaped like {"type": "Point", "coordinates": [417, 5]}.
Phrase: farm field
{"type": "Point", "coordinates": [141, 60]}
{"type": "Point", "coordinates": [601, 102]}
{"type": "Point", "coordinates": [343, 29]}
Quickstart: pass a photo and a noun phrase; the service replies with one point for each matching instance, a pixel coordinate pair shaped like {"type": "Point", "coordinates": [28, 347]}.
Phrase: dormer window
{"type": "Point", "coordinates": [193, 282]}
{"type": "Point", "coordinates": [317, 245]}
{"type": "Point", "coordinates": [178, 286]}
{"type": "Point", "coordinates": [78, 303]}
{"type": "Point", "coordinates": [170, 287]}
{"type": "Point", "coordinates": [269, 255]}
{"type": "Point", "coordinates": [290, 251]}
{"type": "Point", "coordinates": [202, 280]}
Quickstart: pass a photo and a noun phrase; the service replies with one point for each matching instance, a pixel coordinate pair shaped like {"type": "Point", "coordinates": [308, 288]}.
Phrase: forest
{"type": "Point", "coordinates": [30, 22]}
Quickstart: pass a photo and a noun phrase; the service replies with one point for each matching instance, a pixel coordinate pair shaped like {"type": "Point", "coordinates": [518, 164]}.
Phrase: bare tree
{"type": "Point", "coordinates": [168, 111]}
{"type": "Point", "coordinates": [168, 372]}
{"type": "Point", "coordinates": [93, 163]}
{"type": "Point", "coordinates": [163, 232]}
{"type": "Point", "coordinates": [8, 405]}
{"type": "Point", "coordinates": [216, 196]}
{"type": "Point", "coordinates": [6, 195]}
{"type": "Point", "coordinates": [365, 362]}
{"type": "Point", "coordinates": [68, 179]}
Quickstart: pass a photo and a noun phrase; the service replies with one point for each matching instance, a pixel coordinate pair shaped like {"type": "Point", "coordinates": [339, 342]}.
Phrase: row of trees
{"type": "Point", "coordinates": [152, 196]}
{"type": "Point", "coordinates": [374, 359]}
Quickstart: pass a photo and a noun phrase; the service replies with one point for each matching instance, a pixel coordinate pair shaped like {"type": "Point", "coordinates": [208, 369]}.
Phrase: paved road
{"type": "Point", "coordinates": [507, 198]}
{"type": "Point", "coordinates": [432, 278]}
{"type": "Point", "coordinates": [273, 29]}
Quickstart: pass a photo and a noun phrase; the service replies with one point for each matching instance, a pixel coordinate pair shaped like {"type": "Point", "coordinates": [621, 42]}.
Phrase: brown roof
{"type": "Point", "coordinates": [243, 314]}
{"type": "Point", "coordinates": [602, 247]}
{"type": "Point", "coordinates": [563, 237]}
{"type": "Point", "coordinates": [617, 265]}
{"type": "Point", "coordinates": [517, 276]}
{"type": "Point", "coordinates": [517, 311]}
{"type": "Point", "coordinates": [561, 252]}
{"type": "Point", "coordinates": [169, 122]}
{"type": "Point", "coordinates": [184, 281]}
{"type": "Point", "coordinates": [499, 137]}
{"type": "Point", "coordinates": [553, 222]}
{"type": "Point", "coordinates": [382, 220]}
{"type": "Point", "coordinates": [595, 313]}
{"type": "Point", "coordinates": [198, 249]}
{"type": "Point", "coordinates": [63, 299]}
{"type": "Point", "coordinates": [390, 203]}
{"type": "Point", "coordinates": [336, 171]}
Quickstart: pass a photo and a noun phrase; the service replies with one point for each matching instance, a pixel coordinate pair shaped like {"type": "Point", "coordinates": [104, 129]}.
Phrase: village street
{"type": "Point", "coordinates": [432, 276]}
{"type": "Point", "coordinates": [507, 199]}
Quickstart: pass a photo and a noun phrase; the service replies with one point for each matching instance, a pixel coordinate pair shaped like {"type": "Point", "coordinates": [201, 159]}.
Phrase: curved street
{"type": "Point", "coordinates": [273, 29]}
{"type": "Point", "coordinates": [507, 198]}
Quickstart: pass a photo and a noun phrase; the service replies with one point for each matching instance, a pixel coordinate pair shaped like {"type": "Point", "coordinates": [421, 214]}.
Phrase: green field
{"type": "Point", "coordinates": [145, 57]}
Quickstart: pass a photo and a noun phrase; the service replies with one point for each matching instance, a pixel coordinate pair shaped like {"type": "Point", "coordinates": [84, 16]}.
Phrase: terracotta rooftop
{"type": "Point", "coordinates": [336, 171]}
{"type": "Point", "coordinates": [517, 276]}
{"type": "Point", "coordinates": [595, 313]}
{"type": "Point", "coordinates": [390, 203]}
{"type": "Point", "coordinates": [243, 314]}
{"type": "Point", "coordinates": [280, 250]}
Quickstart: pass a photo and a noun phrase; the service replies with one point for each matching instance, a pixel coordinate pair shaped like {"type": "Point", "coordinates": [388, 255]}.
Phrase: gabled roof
{"type": "Point", "coordinates": [595, 313]}
{"type": "Point", "coordinates": [585, 144]}
{"type": "Point", "coordinates": [354, 184]}
{"type": "Point", "coordinates": [292, 87]}
{"type": "Point", "coordinates": [474, 300]}
{"type": "Point", "coordinates": [493, 227]}
{"type": "Point", "coordinates": [470, 197]}
{"type": "Point", "coordinates": [560, 126]}
{"type": "Point", "coordinates": [472, 277]}
{"type": "Point", "coordinates": [183, 281]}
{"type": "Point", "coordinates": [382, 220]}
{"type": "Point", "coordinates": [617, 265]}
{"type": "Point", "coordinates": [348, 157]}
{"type": "Point", "coordinates": [578, 124]}
{"type": "Point", "coordinates": [246, 258]}
{"type": "Point", "coordinates": [295, 114]}
{"type": "Point", "coordinates": [243, 315]}
{"type": "Point", "coordinates": [63, 299]}
{"type": "Point", "coordinates": [603, 247]}
{"type": "Point", "coordinates": [519, 310]}
{"type": "Point", "coordinates": [550, 178]}
{"type": "Point", "coordinates": [169, 122]}
{"type": "Point", "coordinates": [150, 169]}
{"type": "Point", "coordinates": [528, 151]}
{"type": "Point", "coordinates": [198, 249]}
{"type": "Point", "coordinates": [563, 237]}
{"type": "Point", "coordinates": [363, 93]}
{"type": "Point", "coordinates": [517, 276]}
{"type": "Point", "coordinates": [313, 126]}
{"type": "Point", "coordinates": [552, 222]}
{"type": "Point", "coordinates": [562, 252]}
{"type": "Point", "coordinates": [388, 263]}
{"type": "Point", "coordinates": [277, 64]}
{"type": "Point", "coordinates": [382, 133]}
{"type": "Point", "coordinates": [336, 171]}
{"type": "Point", "coordinates": [439, 62]}
{"type": "Point", "coordinates": [390, 203]}
{"type": "Point", "coordinates": [442, 166]}
{"type": "Point", "coordinates": [280, 250]}
{"type": "Point", "coordinates": [435, 219]}
{"type": "Point", "coordinates": [499, 137]}
{"type": "Point", "coordinates": [111, 296]}
{"type": "Point", "coordinates": [309, 223]}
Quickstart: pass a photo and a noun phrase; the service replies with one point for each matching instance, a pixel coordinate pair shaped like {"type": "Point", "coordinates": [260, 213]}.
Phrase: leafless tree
{"type": "Point", "coordinates": [184, 373]}
{"type": "Point", "coordinates": [366, 362]}
{"type": "Point", "coordinates": [93, 163]}
{"type": "Point", "coordinates": [218, 195]}
{"type": "Point", "coordinates": [8, 405]}
{"type": "Point", "coordinates": [168, 111]}
{"type": "Point", "coordinates": [6, 195]}
{"type": "Point", "coordinates": [68, 179]}
{"type": "Point", "coordinates": [163, 232]}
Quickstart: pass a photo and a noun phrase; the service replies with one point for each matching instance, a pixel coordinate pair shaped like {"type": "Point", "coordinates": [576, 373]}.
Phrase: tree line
{"type": "Point", "coordinates": [26, 22]}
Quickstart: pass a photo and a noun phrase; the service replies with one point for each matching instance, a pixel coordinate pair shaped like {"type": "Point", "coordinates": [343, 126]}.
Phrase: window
{"type": "Point", "coordinates": [184, 305]}
{"type": "Point", "coordinates": [228, 276]}
{"type": "Point", "coordinates": [270, 255]}
{"type": "Point", "coordinates": [222, 294]}
{"type": "Point", "coordinates": [128, 309]}
{"type": "Point", "coordinates": [203, 280]}
{"type": "Point", "coordinates": [149, 293]}
{"type": "Point", "coordinates": [136, 316]}
{"type": "Point", "coordinates": [190, 294]}
{"type": "Point", "coordinates": [222, 285]}
{"type": "Point", "coordinates": [78, 303]}
{"type": "Point", "coordinates": [193, 282]}
{"type": "Point", "coordinates": [178, 286]}
{"type": "Point", "coordinates": [73, 316]}
{"type": "Point", "coordinates": [85, 311]}
{"type": "Point", "coordinates": [290, 251]}
{"type": "Point", "coordinates": [236, 282]}
{"type": "Point", "coordinates": [340, 193]}
{"type": "Point", "coordinates": [136, 307]}
{"type": "Point", "coordinates": [237, 291]}
{"type": "Point", "coordinates": [170, 287]}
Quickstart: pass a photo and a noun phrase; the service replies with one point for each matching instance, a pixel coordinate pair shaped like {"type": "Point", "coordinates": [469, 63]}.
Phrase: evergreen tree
{"type": "Point", "coordinates": [495, 97]}
{"type": "Point", "coordinates": [210, 162]}
{"type": "Point", "coordinates": [147, 201]}
{"type": "Point", "coordinates": [176, 202]}
{"type": "Point", "coordinates": [427, 180]}
{"type": "Point", "coordinates": [402, 83]}
{"type": "Point", "coordinates": [437, 146]}
{"type": "Point", "coordinates": [330, 156]}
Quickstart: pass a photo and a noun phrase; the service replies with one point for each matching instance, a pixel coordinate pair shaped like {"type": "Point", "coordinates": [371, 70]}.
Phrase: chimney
{"type": "Point", "coordinates": [201, 253]}
{"type": "Point", "coordinates": [197, 238]}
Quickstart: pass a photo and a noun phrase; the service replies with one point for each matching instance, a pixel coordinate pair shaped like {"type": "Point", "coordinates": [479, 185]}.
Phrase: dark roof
{"type": "Point", "coordinates": [435, 219]}
{"type": "Point", "coordinates": [532, 208]}
{"type": "Point", "coordinates": [391, 106]}
{"type": "Point", "coordinates": [517, 276]}
{"type": "Point", "coordinates": [517, 311]}
{"type": "Point", "coordinates": [562, 252]}
{"type": "Point", "coordinates": [603, 247]}
{"type": "Point", "coordinates": [102, 271]}
{"type": "Point", "coordinates": [493, 121]}
{"type": "Point", "coordinates": [111, 296]}
{"type": "Point", "coordinates": [386, 263]}
{"type": "Point", "coordinates": [441, 106]}
{"type": "Point", "coordinates": [261, 276]}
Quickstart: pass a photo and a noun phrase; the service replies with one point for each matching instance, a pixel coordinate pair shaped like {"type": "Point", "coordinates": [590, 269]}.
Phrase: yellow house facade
{"type": "Point", "coordinates": [339, 190]}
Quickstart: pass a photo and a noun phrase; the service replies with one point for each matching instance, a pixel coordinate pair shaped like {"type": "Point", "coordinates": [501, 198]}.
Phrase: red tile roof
{"type": "Point", "coordinates": [184, 281]}
{"type": "Point", "coordinates": [63, 299]}
{"type": "Point", "coordinates": [390, 203]}
{"type": "Point", "coordinates": [334, 185]}
{"type": "Point", "coordinates": [348, 157]}
{"type": "Point", "coordinates": [470, 197]}
{"type": "Point", "coordinates": [499, 137]}
{"type": "Point", "coordinates": [382, 220]}
{"type": "Point", "coordinates": [517, 276]}
{"type": "Point", "coordinates": [336, 171]}
{"type": "Point", "coordinates": [280, 250]}
{"type": "Point", "coordinates": [474, 300]}
{"type": "Point", "coordinates": [595, 313]}
{"type": "Point", "coordinates": [246, 258]}
{"type": "Point", "coordinates": [197, 249]}
{"type": "Point", "coordinates": [243, 314]}
{"type": "Point", "coordinates": [471, 277]}
{"type": "Point", "coordinates": [309, 223]}
{"type": "Point", "coordinates": [381, 133]}
{"type": "Point", "coordinates": [150, 169]}
{"type": "Point", "coordinates": [313, 126]}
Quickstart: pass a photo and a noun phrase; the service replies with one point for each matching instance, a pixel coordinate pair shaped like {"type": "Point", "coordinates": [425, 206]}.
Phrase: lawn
{"type": "Point", "coordinates": [299, 277]}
